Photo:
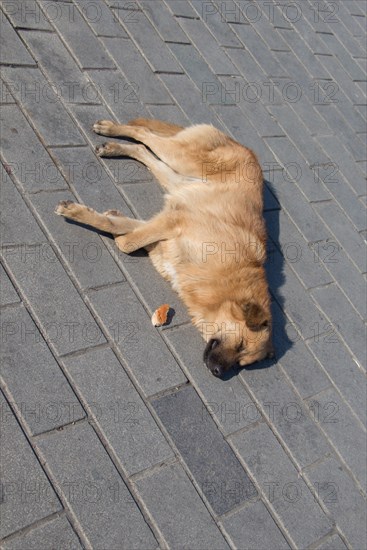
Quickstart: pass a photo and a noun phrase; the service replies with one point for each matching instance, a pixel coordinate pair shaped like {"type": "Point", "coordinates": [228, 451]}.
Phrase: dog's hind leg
{"type": "Point", "coordinates": [162, 227]}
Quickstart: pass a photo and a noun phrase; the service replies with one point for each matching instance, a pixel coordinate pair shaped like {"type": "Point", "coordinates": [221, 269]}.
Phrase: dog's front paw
{"type": "Point", "coordinates": [69, 209]}
{"type": "Point", "coordinates": [104, 127]}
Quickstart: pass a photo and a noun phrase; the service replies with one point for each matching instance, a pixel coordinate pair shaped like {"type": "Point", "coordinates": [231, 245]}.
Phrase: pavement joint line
{"type": "Point", "coordinates": [66, 426]}
{"type": "Point", "coordinates": [35, 524]}
{"type": "Point", "coordinates": [334, 531]}
{"type": "Point", "coordinates": [168, 391]}
{"type": "Point", "coordinates": [147, 472]}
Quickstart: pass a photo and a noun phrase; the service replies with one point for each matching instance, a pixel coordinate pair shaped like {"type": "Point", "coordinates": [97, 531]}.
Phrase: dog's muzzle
{"type": "Point", "coordinates": [209, 358]}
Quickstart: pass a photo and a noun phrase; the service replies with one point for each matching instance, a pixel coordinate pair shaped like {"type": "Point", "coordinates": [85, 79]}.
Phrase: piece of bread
{"type": "Point", "coordinates": [160, 316]}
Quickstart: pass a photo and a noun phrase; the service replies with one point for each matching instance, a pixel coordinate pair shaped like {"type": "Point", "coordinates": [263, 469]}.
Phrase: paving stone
{"type": "Point", "coordinates": [254, 527]}
{"type": "Point", "coordinates": [36, 383]}
{"type": "Point", "coordinates": [341, 98]}
{"type": "Point", "coordinates": [343, 430]}
{"type": "Point", "coordinates": [349, 22]}
{"type": "Point", "coordinates": [18, 226]}
{"type": "Point", "coordinates": [345, 49]}
{"type": "Point", "coordinates": [292, 297]}
{"type": "Point", "coordinates": [168, 495]}
{"type": "Point", "coordinates": [229, 403]}
{"type": "Point", "coordinates": [115, 406]}
{"type": "Point", "coordinates": [57, 533]}
{"type": "Point", "coordinates": [170, 113]}
{"type": "Point", "coordinates": [299, 134]}
{"type": "Point", "coordinates": [121, 96]}
{"type": "Point", "coordinates": [189, 98]}
{"type": "Point", "coordinates": [94, 490]}
{"type": "Point", "coordinates": [260, 51]}
{"type": "Point", "coordinates": [320, 16]}
{"type": "Point", "coordinates": [149, 42]}
{"type": "Point", "coordinates": [304, 54]}
{"type": "Point", "coordinates": [137, 72]}
{"type": "Point", "coordinates": [344, 161]}
{"type": "Point", "coordinates": [41, 103]}
{"type": "Point", "coordinates": [27, 495]}
{"type": "Point", "coordinates": [296, 250]}
{"type": "Point", "coordinates": [26, 15]}
{"type": "Point", "coordinates": [349, 202]}
{"type": "Point", "coordinates": [265, 29]}
{"type": "Point", "coordinates": [289, 417]}
{"type": "Point", "coordinates": [344, 318]}
{"type": "Point", "coordinates": [208, 47]}
{"type": "Point", "coordinates": [342, 499]}
{"type": "Point", "coordinates": [181, 9]}
{"type": "Point", "coordinates": [61, 69]}
{"type": "Point", "coordinates": [276, 15]}
{"type": "Point", "coordinates": [340, 126]}
{"type": "Point", "coordinates": [198, 70]}
{"type": "Point", "coordinates": [83, 251]}
{"type": "Point", "coordinates": [86, 174]}
{"type": "Point", "coordinates": [247, 97]}
{"type": "Point", "coordinates": [63, 316]}
{"type": "Point", "coordinates": [304, 372]}
{"type": "Point", "coordinates": [338, 264]}
{"type": "Point", "coordinates": [297, 169]}
{"type": "Point", "coordinates": [333, 543]}
{"type": "Point", "coordinates": [102, 20]}
{"type": "Point", "coordinates": [8, 294]}
{"type": "Point", "coordinates": [13, 51]}
{"type": "Point", "coordinates": [147, 199]}
{"type": "Point", "coordinates": [343, 370]}
{"type": "Point", "coordinates": [207, 455]}
{"type": "Point", "coordinates": [355, 8]}
{"type": "Point", "coordinates": [164, 22]}
{"type": "Point", "coordinates": [216, 15]}
{"type": "Point", "coordinates": [279, 481]}
{"type": "Point", "coordinates": [6, 97]}
{"type": "Point", "coordinates": [242, 130]}
{"type": "Point", "coordinates": [147, 358]}
{"type": "Point", "coordinates": [34, 170]}
{"type": "Point", "coordinates": [79, 37]}
{"type": "Point", "coordinates": [294, 203]}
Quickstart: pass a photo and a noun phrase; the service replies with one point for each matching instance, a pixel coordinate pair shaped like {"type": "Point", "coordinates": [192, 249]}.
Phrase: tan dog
{"type": "Point", "coordinates": [209, 240]}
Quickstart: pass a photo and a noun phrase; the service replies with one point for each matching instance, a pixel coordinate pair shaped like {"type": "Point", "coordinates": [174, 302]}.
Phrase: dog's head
{"type": "Point", "coordinates": [241, 334]}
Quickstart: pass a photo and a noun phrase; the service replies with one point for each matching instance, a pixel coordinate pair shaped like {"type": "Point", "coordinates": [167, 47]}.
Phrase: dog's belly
{"type": "Point", "coordinates": [165, 257]}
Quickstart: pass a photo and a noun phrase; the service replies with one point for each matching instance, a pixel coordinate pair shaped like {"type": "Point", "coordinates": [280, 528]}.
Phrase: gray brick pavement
{"type": "Point", "coordinates": [116, 435]}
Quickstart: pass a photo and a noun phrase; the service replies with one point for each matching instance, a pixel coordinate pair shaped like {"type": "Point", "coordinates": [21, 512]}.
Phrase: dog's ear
{"type": "Point", "coordinates": [255, 316]}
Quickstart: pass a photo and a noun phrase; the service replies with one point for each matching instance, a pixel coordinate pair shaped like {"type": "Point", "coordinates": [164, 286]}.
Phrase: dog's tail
{"type": "Point", "coordinates": [157, 126]}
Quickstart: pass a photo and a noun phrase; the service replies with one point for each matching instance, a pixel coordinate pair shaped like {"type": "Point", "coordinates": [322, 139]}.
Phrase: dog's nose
{"type": "Point", "coordinates": [217, 371]}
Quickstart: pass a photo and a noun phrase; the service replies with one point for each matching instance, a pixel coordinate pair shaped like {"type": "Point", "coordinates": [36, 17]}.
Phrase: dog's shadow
{"type": "Point", "coordinates": [275, 275]}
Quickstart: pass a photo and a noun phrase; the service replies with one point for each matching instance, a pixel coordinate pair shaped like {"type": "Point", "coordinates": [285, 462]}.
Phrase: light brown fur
{"type": "Point", "coordinates": [209, 240]}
